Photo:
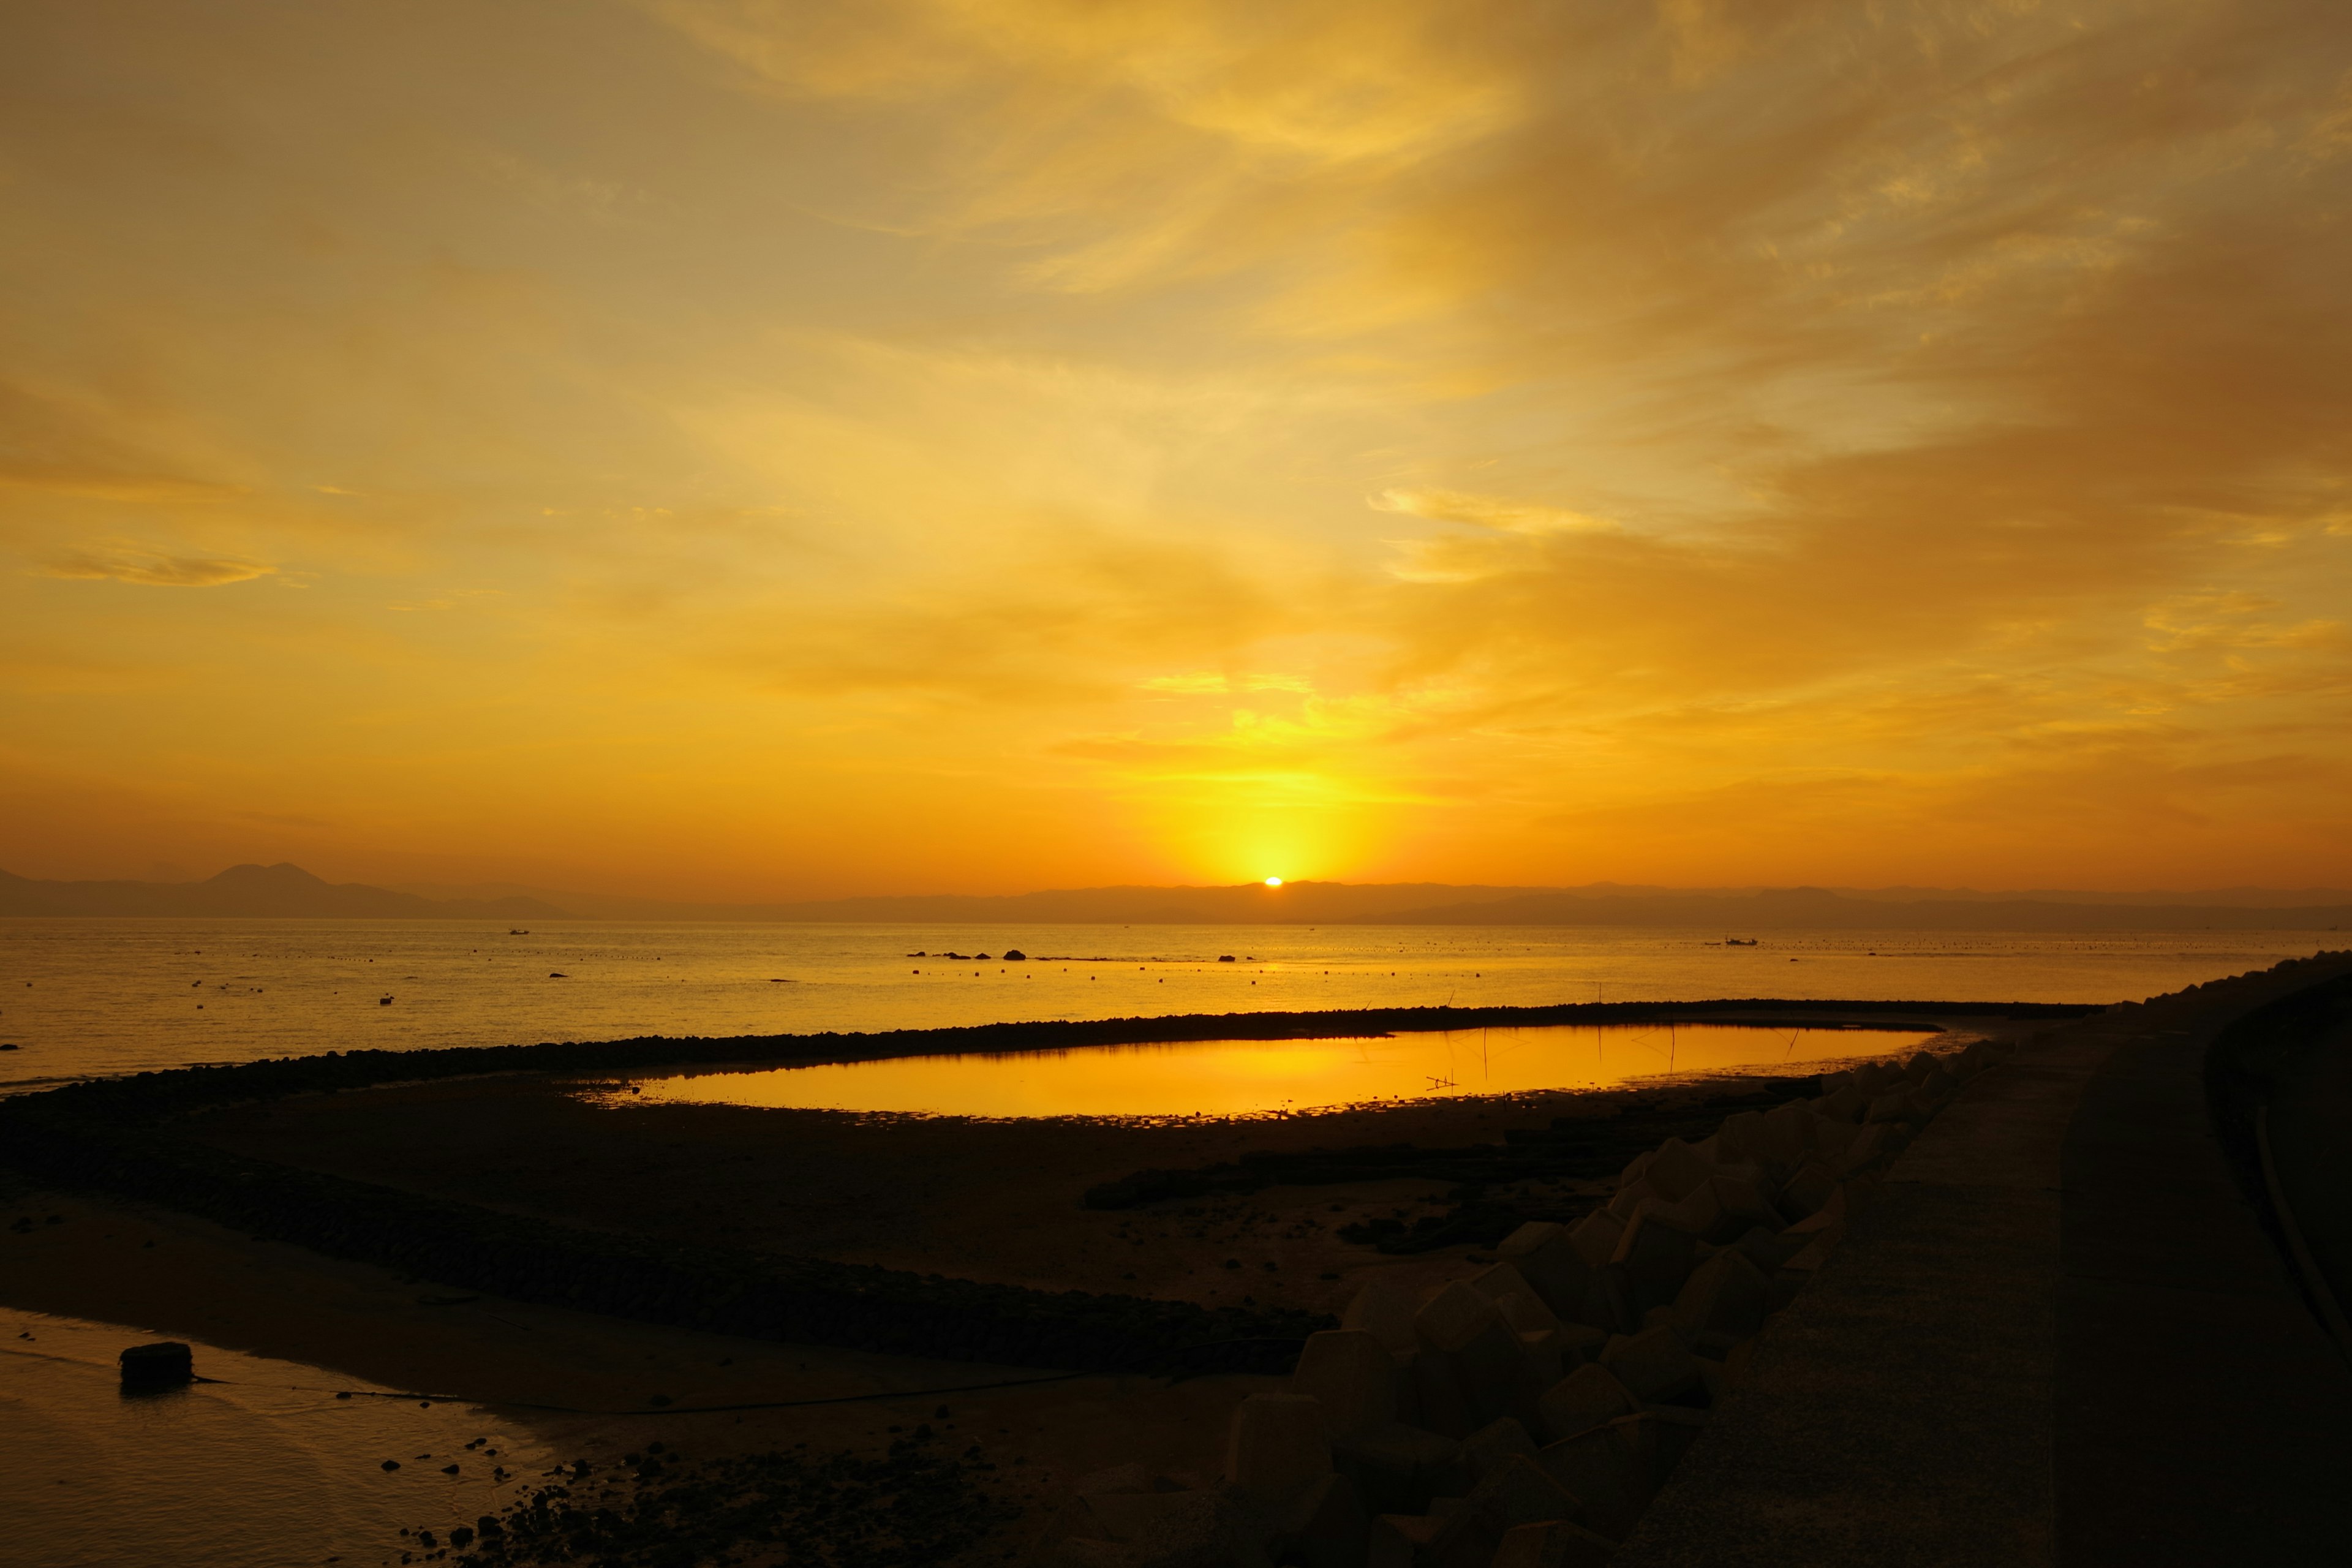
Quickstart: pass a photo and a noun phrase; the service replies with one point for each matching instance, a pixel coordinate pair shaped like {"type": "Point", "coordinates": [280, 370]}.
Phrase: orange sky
{"type": "Point", "coordinates": [730, 448]}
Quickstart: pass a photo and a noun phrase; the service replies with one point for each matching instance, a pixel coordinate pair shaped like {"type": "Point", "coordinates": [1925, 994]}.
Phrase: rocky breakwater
{"type": "Point", "coordinates": [1523, 1417]}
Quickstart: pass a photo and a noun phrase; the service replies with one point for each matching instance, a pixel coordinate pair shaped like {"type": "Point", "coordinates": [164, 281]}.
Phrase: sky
{"type": "Point", "coordinates": [724, 448]}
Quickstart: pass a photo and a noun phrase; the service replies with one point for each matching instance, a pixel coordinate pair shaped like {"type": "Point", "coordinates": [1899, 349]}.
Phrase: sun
{"type": "Point", "coordinates": [1274, 881]}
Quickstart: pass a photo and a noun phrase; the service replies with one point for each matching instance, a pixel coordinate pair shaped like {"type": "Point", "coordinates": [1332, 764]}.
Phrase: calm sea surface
{"type": "Point", "coordinates": [104, 997]}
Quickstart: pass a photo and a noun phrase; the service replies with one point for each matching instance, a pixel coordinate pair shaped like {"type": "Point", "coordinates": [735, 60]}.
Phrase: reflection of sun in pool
{"type": "Point", "coordinates": [1274, 881]}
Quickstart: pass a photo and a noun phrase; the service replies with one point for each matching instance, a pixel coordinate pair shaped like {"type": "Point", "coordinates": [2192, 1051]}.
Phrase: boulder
{"type": "Point", "coordinates": [1554, 1544]}
{"type": "Point", "coordinates": [1351, 1373]}
{"type": "Point", "coordinates": [1585, 1397]}
{"type": "Point", "coordinates": [1279, 1445]}
{"type": "Point", "coordinates": [1654, 1366]}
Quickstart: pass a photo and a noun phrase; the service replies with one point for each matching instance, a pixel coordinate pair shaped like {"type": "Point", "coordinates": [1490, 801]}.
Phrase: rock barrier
{"type": "Point", "coordinates": [1523, 1417]}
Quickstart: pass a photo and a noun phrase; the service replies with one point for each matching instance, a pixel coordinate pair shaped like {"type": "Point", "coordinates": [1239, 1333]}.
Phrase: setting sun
{"type": "Point", "coordinates": [1274, 881]}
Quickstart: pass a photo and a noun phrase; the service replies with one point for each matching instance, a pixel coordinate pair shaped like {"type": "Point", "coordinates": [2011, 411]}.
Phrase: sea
{"type": "Point", "coordinates": [83, 998]}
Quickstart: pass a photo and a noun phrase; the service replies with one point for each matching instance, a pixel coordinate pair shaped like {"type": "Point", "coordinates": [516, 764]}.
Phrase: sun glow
{"type": "Point", "coordinates": [1274, 881]}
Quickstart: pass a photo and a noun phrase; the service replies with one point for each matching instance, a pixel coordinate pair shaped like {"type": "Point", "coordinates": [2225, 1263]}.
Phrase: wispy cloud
{"type": "Point", "coordinates": [155, 569]}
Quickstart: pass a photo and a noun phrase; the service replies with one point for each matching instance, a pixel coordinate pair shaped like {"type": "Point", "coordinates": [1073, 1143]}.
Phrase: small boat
{"type": "Point", "coordinates": [1740, 942]}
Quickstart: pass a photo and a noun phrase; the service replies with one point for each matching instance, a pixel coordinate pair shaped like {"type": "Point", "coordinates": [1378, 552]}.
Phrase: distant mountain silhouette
{"type": "Point", "coordinates": [254, 891]}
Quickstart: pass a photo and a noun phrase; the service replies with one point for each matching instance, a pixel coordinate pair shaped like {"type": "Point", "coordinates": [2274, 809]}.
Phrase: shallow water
{"type": "Point", "coordinates": [266, 1469]}
{"type": "Point", "coordinates": [1242, 1078]}
{"type": "Point", "coordinates": [96, 996]}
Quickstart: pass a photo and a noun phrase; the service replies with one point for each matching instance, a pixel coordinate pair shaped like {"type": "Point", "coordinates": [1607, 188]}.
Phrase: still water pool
{"type": "Point", "coordinates": [1244, 1078]}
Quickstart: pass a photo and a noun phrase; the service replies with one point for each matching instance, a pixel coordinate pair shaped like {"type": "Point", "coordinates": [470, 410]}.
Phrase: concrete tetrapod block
{"type": "Point", "coordinates": [1767, 1249]}
{"type": "Point", "coordinates": [1599, 1471]}
{"type": "Point", "coordinates": [1579, 1344]}
{"type": "Point", "coordinates": [1549, 1260]}
{"type": "Point", "coordinates": [1492, 1444]}
{"type": "Point", "coordinates": [1813, 1186]}
{"type": "Point", "coordinates": [1353, 1376]}
{"type": "Point", "coordinates": [1677, 1170]}
{"type": "Point", "coordinates": [1526, 1313]}
{"type": "Point", "coordinates": [1700, 1212]}
{"type": "Point", "coordinates": [1893, 1106]}
{"type": "Point", "coordinates": [1584, 1398]}
{"type": "Point", "coordinates": [1325, 1527]}
{"type": "Point", "coordinates": [1734, 1138]}
{"type": "Point", "coordinates": [1515, 1492]}
{"type": "Point", "coordinates": [1279, 1444]}
{"type": "Point", "coordinates": [1878, 1141]}
{"type": "Point", "coordinates": [1630, 1200]}
{"type": "Point", "coordinates": [1544, 1357]}
{"type": "Point", "coordinates": [1659, 1437]}
{"type": "Point", "coordinates": [1595, 1238]}
{"type": "Point", "coordinates": [1832, 1139]}
{"type": "Point", "coordinates": [1726, 1295]}
{"type": "Point", "coordinates": [1636, 1168]}
{"type": "Point", "coordinates": [1844, 1104]}
{"type": "Point", "coordinates": [1744, 1204]}
{"type": "Point", "coordinates": [1654, 1364]}
{"type": "Point", "coordinates": [1425, 1541]}
{"type": "Point", "coordinates": [1556, 1544]}
{"type": "Point", "coordinates": [1784, 1135]}
{"type": "Point", "coordinates": [1653, 1258]}
{"type": "Point", "coordinates": [1438, 1401]}
{"type": "Point", "coordinates": [1489, 1365]}
{"type": "Point", "coordinates": [1398, 1469]}
{"type": "Point", "coordinates": [1498, 1280]}
{"type": "Point", "coordinates": [1384, 1313]}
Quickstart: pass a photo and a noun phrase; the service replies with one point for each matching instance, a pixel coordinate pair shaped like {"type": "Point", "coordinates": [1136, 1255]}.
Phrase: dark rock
{"type": "Point", "coordinates": [157, 1365]}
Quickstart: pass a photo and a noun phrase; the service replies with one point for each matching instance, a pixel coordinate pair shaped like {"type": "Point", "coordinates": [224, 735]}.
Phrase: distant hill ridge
{"type": "Point", "coordinates": [288, 891]}
{"type": "Point", "coordinates": [283, 890]}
